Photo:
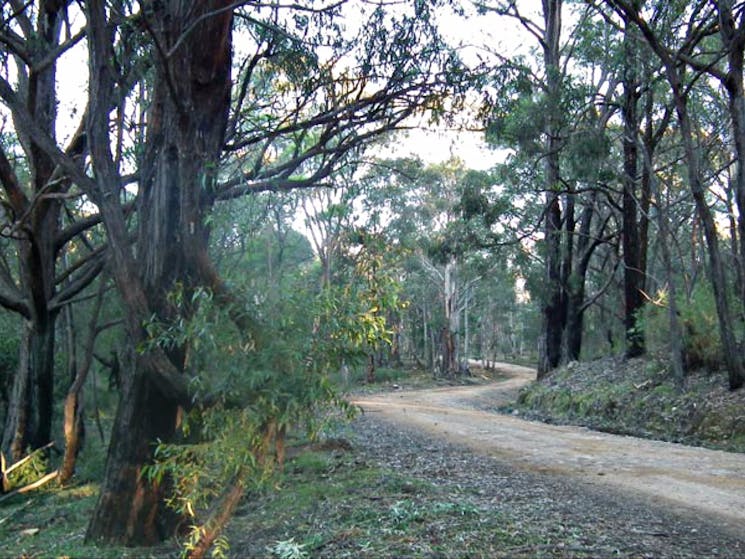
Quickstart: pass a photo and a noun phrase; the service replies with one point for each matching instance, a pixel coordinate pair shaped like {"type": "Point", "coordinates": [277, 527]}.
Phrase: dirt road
{"type": "Point", "coordinates": [696, 480]}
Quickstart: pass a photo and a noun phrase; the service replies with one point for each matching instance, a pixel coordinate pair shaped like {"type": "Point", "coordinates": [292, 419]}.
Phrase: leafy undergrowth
{"type": "Point", "coordinates": [51, 522]}
{"type": "Point", "coordinates": [333, 503]}
{"type": "Point", "coordinates": [638, 397]}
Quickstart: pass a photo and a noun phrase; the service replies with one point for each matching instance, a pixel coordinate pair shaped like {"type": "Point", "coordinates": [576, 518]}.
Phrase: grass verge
{"type": "Point", "coordinates": [328, 503]}
{"type": "Point", "coordinates": [332, 504]}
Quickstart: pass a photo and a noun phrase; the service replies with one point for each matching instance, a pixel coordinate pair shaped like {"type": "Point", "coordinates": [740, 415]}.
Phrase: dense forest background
{"type": "Point", "coordinates": [216, 229]}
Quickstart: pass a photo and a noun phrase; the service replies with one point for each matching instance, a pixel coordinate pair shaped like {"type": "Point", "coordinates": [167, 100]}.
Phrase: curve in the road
{"type": "Point", "coordinates": [707, 481]}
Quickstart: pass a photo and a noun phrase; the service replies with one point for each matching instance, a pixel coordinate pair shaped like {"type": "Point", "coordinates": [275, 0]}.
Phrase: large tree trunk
{"type": "Point", "coordinates": [129, 510]}
{"type": "Point", "coordinates": [186, 127]}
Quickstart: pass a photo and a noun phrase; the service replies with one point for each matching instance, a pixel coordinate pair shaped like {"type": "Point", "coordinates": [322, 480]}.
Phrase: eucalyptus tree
{"type": "Point", "coordinates": [438, 217]}
{"type": "Point", "coordinates": [43, 217]}
{"type": "Point", "coordinates": [306, 92]}
{"type": "Point", "coordinates": [678, 52]}
{"type": "Point", "coordinates": [255, 243]}
{"type": "Point", "coordinates": [631, 237]}
{"type": "Point", "coordinates": [552, 112]}
{"type": "Point", "coordinates": [329, 218]}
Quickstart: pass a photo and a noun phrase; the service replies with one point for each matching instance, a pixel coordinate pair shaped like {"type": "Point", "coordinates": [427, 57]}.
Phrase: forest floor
{"type": "Point", "coordinates": [441, 473]}
{"type": "Point", "coordinates": [456, 471]}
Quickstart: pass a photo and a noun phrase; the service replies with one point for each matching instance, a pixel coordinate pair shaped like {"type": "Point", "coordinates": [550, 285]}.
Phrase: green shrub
{"type": "Point", "coordinates": [698, 320]}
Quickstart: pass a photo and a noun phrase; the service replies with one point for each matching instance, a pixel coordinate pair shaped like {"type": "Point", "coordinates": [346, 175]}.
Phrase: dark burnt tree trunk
{"type": "Point", "coordinates": [36, 219]}
{"type": "Point", "coordinates": [553, 302]}
{"type": "Point", "coordinates": [674, 73]}
{"type": "Point", "coordinates": [186, 128]}
{"type": "Point", "coordinates": [583, 249]}
{"type": "Point", "coordinates": [631, 238]}
{"type": "Point", "coordinates": [733, 37]}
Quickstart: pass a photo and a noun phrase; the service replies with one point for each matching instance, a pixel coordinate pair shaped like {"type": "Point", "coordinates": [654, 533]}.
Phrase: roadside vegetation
{"type": "Point", "coordinates": [328, 501]}
{"type": "Point", "coordinates": [645, 396]}
{"type": "Point", "coordinates": [639, 397]}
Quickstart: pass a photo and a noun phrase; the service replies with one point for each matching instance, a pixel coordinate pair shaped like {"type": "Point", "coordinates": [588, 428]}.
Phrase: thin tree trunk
{"type": "Point", "coordinates": [73, 412]}
{"type": "Point", "coordinates": [448, 341]}
{"type": "Point", "coordinates": [28, 421]}
{"type": "Point", "coordinates": [217, 521]}
{"type": "Point", "coordinates": [730, 347]}
{"type": "Point", "coordinates": [575, 284]}
{"type": "Point", "coordinates": [733, 38]}
{"type": "Point", "coordinates": [553, 317]}
{"type": "Point", "coordinates": [633, 275]}
{"type": "Point", "coordinates": [675, 332]}
{"type": "Point", "coordinates": [15, 432]}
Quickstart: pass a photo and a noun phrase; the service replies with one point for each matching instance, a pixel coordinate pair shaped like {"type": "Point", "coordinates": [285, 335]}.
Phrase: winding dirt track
{"type": "Point", "coordinates": [701, 481]}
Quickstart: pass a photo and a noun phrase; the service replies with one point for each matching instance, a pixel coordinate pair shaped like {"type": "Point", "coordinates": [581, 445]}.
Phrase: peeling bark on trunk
{"type": "Point", "coordinates": [186, 127]}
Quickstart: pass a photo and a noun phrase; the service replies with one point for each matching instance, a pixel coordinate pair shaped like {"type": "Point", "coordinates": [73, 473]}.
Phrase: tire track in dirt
{"type": "Point", "coordinates": [698, 480]}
